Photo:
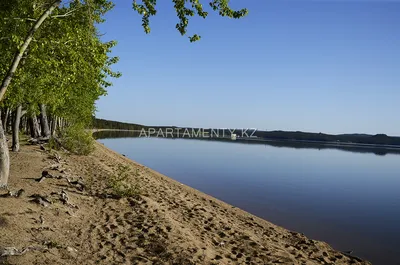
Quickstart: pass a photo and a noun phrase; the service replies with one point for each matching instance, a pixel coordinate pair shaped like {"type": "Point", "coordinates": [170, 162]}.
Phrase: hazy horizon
{"type": "Point", "coordinates": [328, 66]}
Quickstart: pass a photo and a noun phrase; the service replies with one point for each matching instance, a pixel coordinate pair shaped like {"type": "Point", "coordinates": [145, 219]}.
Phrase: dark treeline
{"type": "Point", "coordinates": [116, 125]}
{"type": "Point", "coordinates": [381, 151]}
{"type": "Point", "coordinates": [379, 139]}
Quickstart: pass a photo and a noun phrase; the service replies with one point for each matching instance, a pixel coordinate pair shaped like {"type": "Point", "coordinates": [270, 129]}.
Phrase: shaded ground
{"type": "Point", "coordinates": [166, 223]}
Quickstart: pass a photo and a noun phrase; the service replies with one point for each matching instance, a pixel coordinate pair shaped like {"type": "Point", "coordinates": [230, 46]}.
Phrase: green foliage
{"type": "Point", "coordinates": [75, 139]}
{"type": "Point", "coordinates": [67, 67]}
{"type": "Point", "coordinates": [122, 184]}
{"type": "Point", "coordinates": [185, 9]}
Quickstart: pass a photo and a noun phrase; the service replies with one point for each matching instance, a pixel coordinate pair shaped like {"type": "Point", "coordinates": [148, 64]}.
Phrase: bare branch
{"type": "Point", "coordinates": [69, 13]}
{"type": "Point", "coordinates": [20, 18]}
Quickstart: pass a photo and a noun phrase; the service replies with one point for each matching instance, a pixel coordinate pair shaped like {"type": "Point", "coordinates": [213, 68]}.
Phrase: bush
{"type": "Point", "coordinates": [75, 139]}
{"type": "Point", "coordinates": [120, 183]}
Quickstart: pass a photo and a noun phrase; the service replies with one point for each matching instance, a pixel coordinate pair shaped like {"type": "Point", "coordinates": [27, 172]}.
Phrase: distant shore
{"type": "Point", "coordinates": [136, 133]}
{"type": "Point", "coordinates": [325, 143]}
{"type": "Point", "coordinates": [359, 139]}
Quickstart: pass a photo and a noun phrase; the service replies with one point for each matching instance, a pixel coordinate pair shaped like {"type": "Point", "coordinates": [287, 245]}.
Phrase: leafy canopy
{"type": "Point", "coordinates": [67, 66]}
{"type": "Point", "coordinates": [185, 9]}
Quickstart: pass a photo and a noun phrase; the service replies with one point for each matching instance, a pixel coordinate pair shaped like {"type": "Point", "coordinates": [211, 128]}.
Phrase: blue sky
{"type": "Point", "coordinates": [320, 66]}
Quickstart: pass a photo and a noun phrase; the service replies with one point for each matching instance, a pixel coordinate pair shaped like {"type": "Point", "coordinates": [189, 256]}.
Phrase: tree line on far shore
{"type": "Point", "coordinates": [378, 139]}
{"type": "Point", "coordinates": [115, 125]}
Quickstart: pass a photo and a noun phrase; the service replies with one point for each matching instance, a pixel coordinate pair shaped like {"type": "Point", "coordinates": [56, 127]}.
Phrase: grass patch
{"type": "Point", "coordinates": [75, 139]}
{"type": "Point", "coordinates": [121, 183]}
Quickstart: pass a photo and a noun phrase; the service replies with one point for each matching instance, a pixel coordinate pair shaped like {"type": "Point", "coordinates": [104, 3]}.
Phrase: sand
{"type": "Point", "coordinates": [164, 223]}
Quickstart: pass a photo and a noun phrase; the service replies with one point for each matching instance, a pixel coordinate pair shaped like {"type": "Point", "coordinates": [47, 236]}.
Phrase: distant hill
{"type": "Point", "coordinates": [116, 125]}
{"type": "Point", "coordinates": [378, 139]}
{"type": "Point", "coordinates": [356, 135]}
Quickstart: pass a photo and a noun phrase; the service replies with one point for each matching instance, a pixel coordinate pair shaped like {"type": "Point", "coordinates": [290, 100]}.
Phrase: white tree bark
{"type": "Point", "coordinates": [44, 122]}
{"type": "Point", "coordinates": [53, 126]}
{"type": "Point", "coordinates": [34, 126]}
{"type": "Point", "coordinates": [4, 159]}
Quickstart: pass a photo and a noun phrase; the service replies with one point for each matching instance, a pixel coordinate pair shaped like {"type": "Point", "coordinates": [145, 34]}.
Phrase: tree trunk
{"type": "Point", "coordinates": [15, 131]}
{"type": "Point", "coordinates": [4, 159]}
{"type": "Point", "coordinates": [27, 126]}
{"type": "Point", "coordinates": [9, 122]}
{"type": "Point", "coordinates": [50, 118]}
{"type": "Point", "coordinates": [34, 126]}
{"type": "Point", "coordinates": [53, 125]}
{"type": "Point", "coordinates": [4, 115]}
{"type": "Point", "coordinates": [61, 124]}
{"type": "Point", "coordinates": [31, 129]}
{"type": "Point", "coordinates": [23, 122]}
{"type": "Point", "coordinates": [5, 118]}
{"type": "Point", "coordinates": [44, 123]}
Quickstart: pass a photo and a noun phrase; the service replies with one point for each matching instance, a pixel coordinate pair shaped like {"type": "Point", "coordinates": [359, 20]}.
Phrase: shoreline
{"type": "Point", "coordinates": [166, 223]}
{"type": "Point", "coordinates": [211, 197]}
{"type": "Point", "coordinates": [267, 140]}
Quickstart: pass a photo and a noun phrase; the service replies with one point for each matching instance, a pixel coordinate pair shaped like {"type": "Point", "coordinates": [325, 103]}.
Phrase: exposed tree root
{"type": "Point", "coordinates": [39, 199]}
{"type": "Point", "coordinates": [40, 140]}
{"type": "Point", "coordinates": [13, 251]}
{"type": "Point", "coordinates": [15, 194]}
{"type": "Point", "coordinates": [79, 185]}
{"type": "Point", "coordinates": [65, 199]}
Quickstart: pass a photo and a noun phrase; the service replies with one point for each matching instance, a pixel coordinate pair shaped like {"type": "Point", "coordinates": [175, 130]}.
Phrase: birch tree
{"type": "Point", "coordinates": [34, 16]}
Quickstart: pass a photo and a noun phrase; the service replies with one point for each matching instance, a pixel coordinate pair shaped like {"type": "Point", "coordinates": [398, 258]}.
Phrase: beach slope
{"type": "Point", "coordinates": [72, 216]}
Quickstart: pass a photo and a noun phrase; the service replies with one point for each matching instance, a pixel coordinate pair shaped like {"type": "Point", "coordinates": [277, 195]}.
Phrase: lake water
{"type": "Point", "coordinates": [350, 200]}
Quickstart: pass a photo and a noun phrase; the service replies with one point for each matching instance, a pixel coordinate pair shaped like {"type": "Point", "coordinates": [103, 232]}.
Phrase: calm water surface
{"type": "Point", "coordinates": [350, 200]}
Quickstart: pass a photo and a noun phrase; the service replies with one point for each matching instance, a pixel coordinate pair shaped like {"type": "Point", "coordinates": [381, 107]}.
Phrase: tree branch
{"type": "Point", "coordinates": [20, 18]}
{"type": "Point", "coordinates": [69, 13]}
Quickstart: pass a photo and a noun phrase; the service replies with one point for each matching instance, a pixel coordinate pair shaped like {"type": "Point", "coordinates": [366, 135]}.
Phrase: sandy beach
{"type": "Point", "coordinates": [165, 222]}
